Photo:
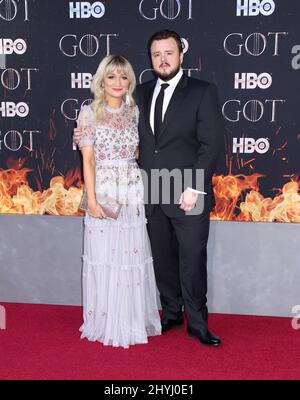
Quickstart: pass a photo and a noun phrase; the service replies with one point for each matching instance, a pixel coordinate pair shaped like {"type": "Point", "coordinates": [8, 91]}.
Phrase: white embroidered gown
{"type": "Point", "coordinates": [119, 290]}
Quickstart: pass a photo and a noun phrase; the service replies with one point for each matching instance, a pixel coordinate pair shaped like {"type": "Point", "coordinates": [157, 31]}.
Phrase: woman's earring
{"type": "Point", "coordinates": [127, 99]}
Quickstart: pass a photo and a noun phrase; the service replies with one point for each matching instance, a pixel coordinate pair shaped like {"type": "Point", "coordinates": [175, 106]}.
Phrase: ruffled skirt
{"type": "Point", "coordinates": [119, 289]}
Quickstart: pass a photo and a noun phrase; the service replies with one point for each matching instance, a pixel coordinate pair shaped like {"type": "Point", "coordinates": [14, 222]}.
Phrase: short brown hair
{"type": "Point", "coordinates": [166, 34]}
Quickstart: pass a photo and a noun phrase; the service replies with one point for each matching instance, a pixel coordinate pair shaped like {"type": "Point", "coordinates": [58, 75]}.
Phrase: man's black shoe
{"type": "Point", "coordinates": [206, 338]}
{"type": "Point", "coordinates": [168, 324]}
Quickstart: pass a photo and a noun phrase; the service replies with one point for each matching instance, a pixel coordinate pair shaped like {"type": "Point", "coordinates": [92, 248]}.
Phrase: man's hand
{"type": "Point", "coordinates": [77, 135]}
{"type": "Point", "coordinates": [188, 200]}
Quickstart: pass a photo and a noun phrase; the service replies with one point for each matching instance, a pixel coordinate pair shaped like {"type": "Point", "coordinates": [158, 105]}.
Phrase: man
{"type": "Point", "coordinates": [180, 127]}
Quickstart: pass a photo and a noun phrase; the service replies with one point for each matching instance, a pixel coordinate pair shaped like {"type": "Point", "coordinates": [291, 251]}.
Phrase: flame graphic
{"type": "Point", "coordinates": [237, 197]}
{"type": "Point", "coordinates": [229, 191]}
{"type": "Point", "coordinates": [16, 196]}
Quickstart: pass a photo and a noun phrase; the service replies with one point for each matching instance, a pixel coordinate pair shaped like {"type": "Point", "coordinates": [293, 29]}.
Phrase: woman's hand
{"type": "Point", "coordinates": [95, 210]}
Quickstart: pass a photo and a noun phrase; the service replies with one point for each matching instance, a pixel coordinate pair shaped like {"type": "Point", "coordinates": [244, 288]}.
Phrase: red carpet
{"type": "Point", "coordinates": [42, 342]}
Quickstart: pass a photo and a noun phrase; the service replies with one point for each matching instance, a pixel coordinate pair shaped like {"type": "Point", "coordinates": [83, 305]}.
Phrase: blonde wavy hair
{"type": "Point", "coordinates": [108, 65]}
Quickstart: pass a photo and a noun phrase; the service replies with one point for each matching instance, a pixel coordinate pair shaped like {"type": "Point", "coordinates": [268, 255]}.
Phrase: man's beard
{"type": "Point", "coordinates": [168, 76]}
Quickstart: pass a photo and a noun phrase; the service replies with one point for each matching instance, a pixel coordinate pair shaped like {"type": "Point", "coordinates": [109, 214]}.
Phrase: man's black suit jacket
{"type": "Point", "coordinates": [190, 138]}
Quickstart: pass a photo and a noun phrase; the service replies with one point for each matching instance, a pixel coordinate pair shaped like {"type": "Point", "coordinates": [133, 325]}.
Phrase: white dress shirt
{"type": "Point", "coordinates": [167, 97]}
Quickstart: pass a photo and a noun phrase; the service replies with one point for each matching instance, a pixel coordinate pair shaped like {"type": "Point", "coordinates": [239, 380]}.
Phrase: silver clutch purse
{"type": "Point", "coordinates": [109, 205]}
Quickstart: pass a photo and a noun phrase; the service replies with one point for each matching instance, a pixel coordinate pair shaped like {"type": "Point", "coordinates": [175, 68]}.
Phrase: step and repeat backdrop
{"type": "Point", "coordinates": [49, 51]}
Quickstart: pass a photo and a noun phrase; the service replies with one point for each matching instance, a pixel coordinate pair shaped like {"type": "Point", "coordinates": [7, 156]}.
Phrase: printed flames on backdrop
{"type": "Point", "coordinates": [237, 197]}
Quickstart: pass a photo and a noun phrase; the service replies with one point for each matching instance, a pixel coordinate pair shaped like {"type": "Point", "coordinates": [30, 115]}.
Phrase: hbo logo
{"type": "Point", "coordinates": [254, 7]}
{"type": "Point", "coordinates": [9, 46]}
{"type": "Point", "coordinates": [81, 80]}
{"type": "Point", "coordinates": [250, 145]}
{"type": "Point", "coordinates": [251, 80]}
{"type": "Point", "coordinates": [84, 9]}
{"type": "Point", "coordinates": [10, 109]}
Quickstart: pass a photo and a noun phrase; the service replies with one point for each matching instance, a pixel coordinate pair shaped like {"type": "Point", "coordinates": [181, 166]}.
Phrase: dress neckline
{"type": "Point", "coordinates": [115, 110]}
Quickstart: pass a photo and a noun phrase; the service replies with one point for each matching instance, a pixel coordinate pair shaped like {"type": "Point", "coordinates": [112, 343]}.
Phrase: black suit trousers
{"type": "Point", "coordinates": [179, 248]}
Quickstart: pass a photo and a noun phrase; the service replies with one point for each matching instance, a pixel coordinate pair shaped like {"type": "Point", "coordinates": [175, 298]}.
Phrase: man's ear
{"type": "Point", "coordinates": [181, 57]}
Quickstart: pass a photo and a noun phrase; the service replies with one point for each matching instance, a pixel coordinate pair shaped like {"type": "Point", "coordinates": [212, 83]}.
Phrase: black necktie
{"type": "Point", "coordinates": [158, 109]}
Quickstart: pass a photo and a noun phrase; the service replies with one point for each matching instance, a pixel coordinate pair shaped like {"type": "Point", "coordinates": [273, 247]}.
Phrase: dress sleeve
{"type": "Point", "coordinates": [87, 123]}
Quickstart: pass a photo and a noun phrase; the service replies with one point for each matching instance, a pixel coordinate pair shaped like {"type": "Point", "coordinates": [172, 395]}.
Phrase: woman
{"type": "Point", "coordinates": [119, 291]}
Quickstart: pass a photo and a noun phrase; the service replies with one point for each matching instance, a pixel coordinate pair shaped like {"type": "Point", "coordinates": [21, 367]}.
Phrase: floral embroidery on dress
{"type": "Point", "coordinates": [118, 137]}
{"type": "Point", "coordinates": [115, 139]}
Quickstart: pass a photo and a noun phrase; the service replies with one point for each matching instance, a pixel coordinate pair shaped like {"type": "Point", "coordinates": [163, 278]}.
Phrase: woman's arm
{"type": "Point", "coordinates": [94, 209]}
